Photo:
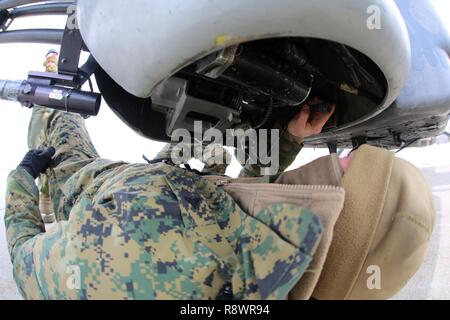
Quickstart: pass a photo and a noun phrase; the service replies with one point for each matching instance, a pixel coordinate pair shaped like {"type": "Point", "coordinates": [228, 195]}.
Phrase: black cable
{"type": "Point", "coordinates": [269, 112]}
{"type": "Point", "coordinates": [86, 77]}
{"type": "Point", "coordinates": [407, 145]}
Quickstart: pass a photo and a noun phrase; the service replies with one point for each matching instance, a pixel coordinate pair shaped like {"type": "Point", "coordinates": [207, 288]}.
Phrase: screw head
{"type": "Point", "coordinates": [27, 89]}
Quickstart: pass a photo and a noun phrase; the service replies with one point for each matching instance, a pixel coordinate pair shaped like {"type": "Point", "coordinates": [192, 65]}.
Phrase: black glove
{"type": "Point", "coordinates": [36, 162]}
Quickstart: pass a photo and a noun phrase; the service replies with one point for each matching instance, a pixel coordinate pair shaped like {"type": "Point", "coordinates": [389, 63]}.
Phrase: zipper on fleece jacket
{"type": "Point", "coordinates": [237, 183]}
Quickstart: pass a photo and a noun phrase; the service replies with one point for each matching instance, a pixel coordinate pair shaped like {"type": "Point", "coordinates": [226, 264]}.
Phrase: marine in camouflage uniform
{"type": "Point", "coordinates": [217, 158]}
{"type": "Point", "coordinates": [144, 231]}
{"type": "Point", "coordinates": [289, 148]}
{"type": "Point", "coordinates": [45, 206]}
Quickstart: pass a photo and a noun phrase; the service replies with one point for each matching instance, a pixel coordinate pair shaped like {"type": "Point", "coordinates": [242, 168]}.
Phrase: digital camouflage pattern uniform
{"type": "Point", "coordinates": [289, 148]}
{"type": "Point", "coordinates": [144, 231]}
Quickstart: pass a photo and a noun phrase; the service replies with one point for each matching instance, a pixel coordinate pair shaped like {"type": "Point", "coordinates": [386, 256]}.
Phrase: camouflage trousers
{"type": "Point", "coordinates": [67, 133]}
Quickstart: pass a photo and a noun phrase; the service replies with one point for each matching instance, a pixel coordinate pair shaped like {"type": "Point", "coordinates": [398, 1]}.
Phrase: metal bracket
{"type": "Point", "coordinates": [183, 110]}
{"type": "Point", "coordinates": [333, 148]}
{"type": "Point", "coordinates": [397, 138]}
{"type": "Point", "coordinates": [216, 64]}
{"type": "Point", "coordinates": [4, 17]}
{"type": "Point", "coordinates": [359, 141]}
{"type": "Point", "coordinates": [71, 46]}
{"type": "Point", "coordinates": [51, 79]}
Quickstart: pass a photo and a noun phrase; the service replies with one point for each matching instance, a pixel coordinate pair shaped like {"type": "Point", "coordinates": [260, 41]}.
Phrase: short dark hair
{"type": "Point", "coordinates": [51, 51]}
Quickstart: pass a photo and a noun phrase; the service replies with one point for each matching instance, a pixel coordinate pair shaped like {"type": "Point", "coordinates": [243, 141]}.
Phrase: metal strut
{"type": "Point", "coordinates": [9, 4]}
{"type": "Point", "coordinates": [12, 9]}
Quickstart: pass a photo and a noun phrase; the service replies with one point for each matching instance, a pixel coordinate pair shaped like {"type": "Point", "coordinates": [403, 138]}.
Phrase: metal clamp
{"type": "Point", "coordinates": [71, 46]}
{"type": "Point", "coordinates": [4, 18]}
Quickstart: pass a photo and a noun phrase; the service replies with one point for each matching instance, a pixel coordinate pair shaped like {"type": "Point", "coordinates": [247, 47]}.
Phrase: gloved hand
{"type": "Point", "coordinates": [36, 162]}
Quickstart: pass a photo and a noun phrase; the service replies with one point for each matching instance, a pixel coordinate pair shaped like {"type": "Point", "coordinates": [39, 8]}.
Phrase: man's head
{"type": "Point", "coordinates": [51, 61]}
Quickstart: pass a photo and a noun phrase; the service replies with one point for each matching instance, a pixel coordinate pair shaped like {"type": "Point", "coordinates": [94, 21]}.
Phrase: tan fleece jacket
{"type": "Point", "coordinates": [383, 230]}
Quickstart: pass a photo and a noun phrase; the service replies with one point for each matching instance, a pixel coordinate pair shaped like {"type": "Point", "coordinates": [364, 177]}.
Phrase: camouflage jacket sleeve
{"type": "Point", "coordinates": [23, 224]}
{"type": "Point", "coordinates": [290, 147]}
